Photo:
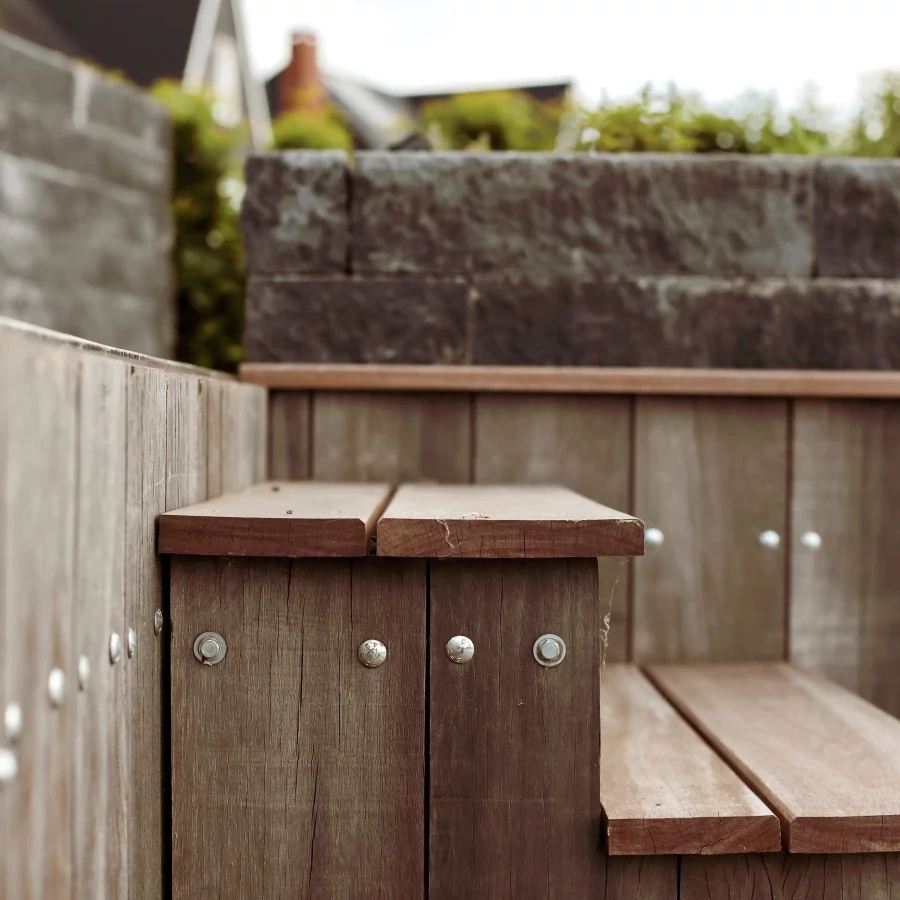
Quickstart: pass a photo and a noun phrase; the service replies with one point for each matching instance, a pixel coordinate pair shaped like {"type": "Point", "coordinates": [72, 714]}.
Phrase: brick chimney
{"type": "Point", "coordinates": [300, 86]}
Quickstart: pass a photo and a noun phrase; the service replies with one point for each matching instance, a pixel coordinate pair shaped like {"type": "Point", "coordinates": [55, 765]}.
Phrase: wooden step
{"type": "Point", "coordinates": [662, 788]}
{"type": "Point", "coordinates": [825, 760]}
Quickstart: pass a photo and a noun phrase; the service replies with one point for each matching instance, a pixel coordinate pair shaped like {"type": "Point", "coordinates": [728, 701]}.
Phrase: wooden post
{"type": "Point", "coordinates": [299, 771]}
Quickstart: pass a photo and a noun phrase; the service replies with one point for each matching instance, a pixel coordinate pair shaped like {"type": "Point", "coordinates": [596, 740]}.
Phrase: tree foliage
{"type": "Point", "coordinates": [323, 130]}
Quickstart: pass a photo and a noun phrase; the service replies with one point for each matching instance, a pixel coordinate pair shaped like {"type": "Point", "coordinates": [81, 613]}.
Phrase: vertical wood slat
{"type": "Point", "coordinates": [712, 475]}
{"type": "Point", "coordinates": [582, 442]}
{"type": "Point", "coordinates": [289, 435]}
{"type": "Point", "coordinates": [100, 776]}
{"type": "Point", "coordinates": [186, 441]}
{"type": "Point", "coordinates": [391, 437]}
{"type": "Point", "coordinates": [146, 499]}
{"type": "Point", "coordinates": [243, 437]}
{"type": "Point", "coordinates": [39, 497]}
{"type": "Point", "coordinates": [845, 618]}
{"type": "Point", "coordinates": [292, 762]}
{"type": "Point", "coordinates": [514, 746]}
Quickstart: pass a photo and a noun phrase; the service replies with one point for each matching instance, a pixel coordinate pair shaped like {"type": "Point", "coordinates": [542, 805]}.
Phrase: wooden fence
{"type": "Point", "coordinates": [775, 492]}
{"type": "Point", "coordinates": [94, 444]}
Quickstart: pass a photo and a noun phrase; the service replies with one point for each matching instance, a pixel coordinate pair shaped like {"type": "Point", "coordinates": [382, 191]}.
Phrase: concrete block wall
{"type": "Point", "coordinates": [85, 232]}
{"type": "Point", "coordinates": [620, 260]}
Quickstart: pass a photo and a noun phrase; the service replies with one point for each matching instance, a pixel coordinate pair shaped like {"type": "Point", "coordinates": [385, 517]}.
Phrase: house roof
{"type": "Point", "coordinates": [544, 93]}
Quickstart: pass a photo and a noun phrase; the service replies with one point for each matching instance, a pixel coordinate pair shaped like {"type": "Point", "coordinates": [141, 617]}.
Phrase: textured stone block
{"type": "Point", "coordinates": [294, 216]}
{"type": "Point", "coordinates": [579, 215]}
{"type": "Point", "coordinates": [344, 321]}
{"type": "Point", "coordinates": [125, 109]}
{"type": "Point", "coordinates": [693, 322]}
{"type": "Point", "coordinates": [858, 218]}
{"type": "Point", "coordinates": [36, 75]}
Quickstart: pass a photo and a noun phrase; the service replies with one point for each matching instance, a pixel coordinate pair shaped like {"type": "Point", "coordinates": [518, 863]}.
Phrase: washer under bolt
{"type": "Point", "coordinates": [115, 648]}
{"type": "Point", "coordinates": [56, 687]}
{"type": "Point", "coordinates": [549, 650]}
{"type": "Point", "coordinates": [84, 672]}
{"type": "Point", "coordinates": [372, 654]}
{"type": "Point", "coordinates": [210, 648]}
{"type": "Point", "coordinates": [9, 767]}
{"type": "Point", "coordinates": [460, 649]}
{"type": "Point", "coordinates": [812, 540]}
{"type": "Point", "coordinates": [770, 539]}
{"type": "Point", "coordinates": [12, 722]}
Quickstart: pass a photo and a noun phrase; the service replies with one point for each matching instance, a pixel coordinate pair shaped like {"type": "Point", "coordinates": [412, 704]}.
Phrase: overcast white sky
{"type": "Point", "coordinates": [716, 47]}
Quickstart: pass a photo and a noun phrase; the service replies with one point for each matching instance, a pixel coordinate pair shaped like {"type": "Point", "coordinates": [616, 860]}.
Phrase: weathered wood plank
{"type": "Point", "coordinates": [663, 789]}
{"type": "Point", "coordinates": [38, 584]}
{"type": "Point", "coordinates": [581, 442]}
{"type": "Point", "coordinates": [514, 788]}
{"type": "Point", "coordinates": [293, 762]}
{"type": "Point", "coordinates": [289, 435]}
{"type": "Point", "coordinates": [396, 437]}
{"type": "Point", "coordinates": [286, 519]}
{"type": "Point", "coordinates": [712, 476]}
{"type": "Point", "coordinates": [505, 522]}
{"type": "Point", "coordinates": [100, 775]}
{"type": "Point", "coordinates": [783, 876]}
{"type": "Point", "coordinates": [145, 500]}
{"type": "Point", "coordinates": [845, 579]}
{"type": "Point", "coordinates": [215, 435]}
{"type": "Point", "coordinates": [244, 442]}
{"type": "Point", "coordinates": [186, 441]}
{"type": "Point", "coordinates": [825, 760]}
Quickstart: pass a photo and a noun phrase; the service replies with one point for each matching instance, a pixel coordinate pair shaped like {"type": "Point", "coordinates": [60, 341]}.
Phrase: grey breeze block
{"type": "Point", "coordinates": [294, 217]}
{"type": "Point", "coordinates": [582, 214]}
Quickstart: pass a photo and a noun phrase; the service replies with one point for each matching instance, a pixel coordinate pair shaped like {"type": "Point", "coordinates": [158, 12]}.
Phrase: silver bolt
{"type": "Point", "coordinates": [653, 537]}
{"type": "Point", "coordinates": [372, 654]}
{"type": "Point", "coordinates": [460, 649]}
{"type": "Point", "coordinates": [132, 642]}
{"type": "Point", "coordinates": [210, 648]}
{"type": "Point", "coordinates": [549, 650]}
{"type": "Point", "coordinates": [56, 687]}
{"type": "Point", "coordinates": [12, 722]}
{"type": "Point", "coordinates": [811, 540]}
{"type": "Point", "coordinates": [770, 539]}
{"type": "Point", "coordinates": [115, 648]}
{"type": "Point", "coordinates": [157, 622]}
{"type": "Point", "coordinates": [9, 767]}
{"type": "Point", "coordinates": [84, 672]}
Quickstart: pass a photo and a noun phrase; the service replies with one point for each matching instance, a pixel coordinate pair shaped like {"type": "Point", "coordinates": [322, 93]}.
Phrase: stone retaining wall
{"type": "Point", "coordinates": [667, 260]}
{"type": "Point", "coordinates": [85, 231]}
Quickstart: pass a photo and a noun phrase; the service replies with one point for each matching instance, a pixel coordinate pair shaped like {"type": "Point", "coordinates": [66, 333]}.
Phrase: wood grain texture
{"type": "Point", "coordinates": [244, 436]}
{"type": "Point", "coordinates": [186, 441]}
{"type": "Point", "coordinates": [791, 876]}
{"type": "Point", "coordinates": [215, 435]}
{"type": "Point", "coordinates": [100, 774]}
{"type": "Point", "coordinates": [289, 435]}
{"type": "Point", "coordinates": [581, 442]}
{"type": "Point", "coordinates": [826, 761]}
{"type": "Point", "coordinates": [286, 519]}
{"type": "Point", "coordinates": [145, 499]}
{"type": "Point", "coordinates": [712, 475]}
{"type": "Point", "coordinates": [503, 522]}
{"type": "Point", "coordinates": [514, 746]}
{"type": "Point", "coordinates": [663, 789]}
{"type": "Point", "coordinates": [39, 507]}
{"type": "Point", "coordinates": [844, 615]}
{"type": "Point", "coordinates": [297, 771]}
{"type": "Point", "coordinates": [573, 380]}
{"type": "Point", "coordinates": [398, 437]}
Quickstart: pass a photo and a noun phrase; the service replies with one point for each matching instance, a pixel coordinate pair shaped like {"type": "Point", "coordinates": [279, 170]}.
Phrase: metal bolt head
{"type": "Point", "coordinates": [9, 767]}
{"type": "Point", "coordinates": [653, 537]}
{"type": "Point", "coordinates": [210, 648]}
{"type": "Point", "coordinates": [811, 540]}
{"type": "Point", "coordinates": [770, 539]}
{"type": "Point", "coordinates": [56, 687]}
{"type": "Point", "coordinates": [12, 722]}
{"type": "Point", "coordinates": [549, 650]}
{"type": "Point", "coordinates": [132, 642]}
{"type": "Point", "coordinates": [460, 649]}
{"type": "Point", "coordinates": [115, 648]}
{"type": "Point", "coordinates": [372, 654]}
{"type": "Point", "coordinates": [84, 672]}
{"type": "Point", "coordinates": [157, 622]}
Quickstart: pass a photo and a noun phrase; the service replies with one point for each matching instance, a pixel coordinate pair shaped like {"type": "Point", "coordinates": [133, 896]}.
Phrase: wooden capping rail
{"type": "Point", "coordinates": [286, 519]}
{"type": "Point", "coordinates": [663, 789]}
{"type": "Point", "coordinates": [574, 380]}
{"type": "Point", "coordinates": [825, 760]}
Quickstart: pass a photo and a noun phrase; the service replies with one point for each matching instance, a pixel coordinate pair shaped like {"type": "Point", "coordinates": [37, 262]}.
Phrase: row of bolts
{"type": "Point", "coordinates": [13, 718]}
{"type": "Point", "coordinates": [210, 648]}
